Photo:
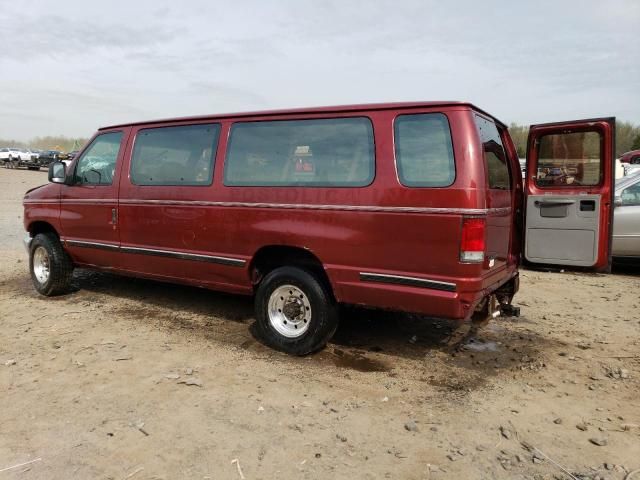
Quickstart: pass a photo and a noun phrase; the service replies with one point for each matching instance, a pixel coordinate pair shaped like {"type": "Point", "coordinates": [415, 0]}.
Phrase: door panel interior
{"type": "Point", "coordinates": [563, 229]}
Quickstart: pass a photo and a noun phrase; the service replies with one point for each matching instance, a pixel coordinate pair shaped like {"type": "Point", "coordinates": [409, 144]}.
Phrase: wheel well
{"type": "Point", "coordinates": [271, 257]}
{"type": "Point", "coordinates": [41, 227]}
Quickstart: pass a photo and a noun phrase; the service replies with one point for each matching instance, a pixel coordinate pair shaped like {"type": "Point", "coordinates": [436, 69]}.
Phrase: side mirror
{"type": "Point", "coordinates": [617, 202]}
{"type": "Point", "coordinates": [57, 172]}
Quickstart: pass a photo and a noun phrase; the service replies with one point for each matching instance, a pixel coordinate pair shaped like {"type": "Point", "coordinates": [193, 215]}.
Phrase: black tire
{"type": "Point", "coordinates": [324, 312]}
{"type": "Point", "coordinates": [59, 263]}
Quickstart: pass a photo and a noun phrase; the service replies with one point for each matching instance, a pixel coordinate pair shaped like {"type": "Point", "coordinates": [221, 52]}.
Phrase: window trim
{"type": "Point", "coordinates": [214, 154]}
{"type": "Point", "coordinates": [87, 148]}
{"type": "Point", "coordinates": [396, 146]}
{"type": "Point", "coordinates": [507, 160]}
{"type": "Point", "coordinates": [570, 185]}
{"type": "Point", "coordinates": [370, 180]}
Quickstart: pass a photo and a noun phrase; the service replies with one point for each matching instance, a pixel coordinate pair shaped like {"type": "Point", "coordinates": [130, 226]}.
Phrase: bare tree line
{"type": "Point", "coordinates": [60, 142]}
{"type": "Point", "coordinates": [627, 137]}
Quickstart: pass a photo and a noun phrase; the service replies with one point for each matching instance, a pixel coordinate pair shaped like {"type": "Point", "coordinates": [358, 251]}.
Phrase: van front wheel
{"type": "Point", "coordinates": [50, 266]}
{"type": "Point", "coordinates": [295, 312]}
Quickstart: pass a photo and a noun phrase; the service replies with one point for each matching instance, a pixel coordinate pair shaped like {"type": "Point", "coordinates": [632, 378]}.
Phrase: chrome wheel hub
{"type": "Point", "coordinates": [41, 265]}
{"type": "Point", "coordinates": [289, 311]}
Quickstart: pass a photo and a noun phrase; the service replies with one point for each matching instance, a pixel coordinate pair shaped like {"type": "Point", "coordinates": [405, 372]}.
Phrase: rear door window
{"type": "Point", "coordinates": [494, 154]}
{"type": "Point", "coordinates": [333, 152]}
{"type": "Point", "coordinates": [569, 159]}
{"type": "Point", "coordinates": [173, 156]}
{"type": "Point", "coordinates": [424, 151]}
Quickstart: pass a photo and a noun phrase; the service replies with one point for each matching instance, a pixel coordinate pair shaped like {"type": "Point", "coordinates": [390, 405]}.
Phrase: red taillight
{"type": "Point", "coordinates": [472, 244]}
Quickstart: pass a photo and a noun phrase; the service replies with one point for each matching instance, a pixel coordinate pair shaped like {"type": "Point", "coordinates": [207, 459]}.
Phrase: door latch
{"type": "Point", "coordinates": [114, 217]}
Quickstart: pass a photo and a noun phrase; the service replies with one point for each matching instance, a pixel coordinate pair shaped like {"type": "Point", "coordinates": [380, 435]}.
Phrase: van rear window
{"type": "Point", "coordinates": [424, 152]}
{"type": "Point", "coordinates": [181, 155]}
{"type": "Point", "coordinates": [336, 152]}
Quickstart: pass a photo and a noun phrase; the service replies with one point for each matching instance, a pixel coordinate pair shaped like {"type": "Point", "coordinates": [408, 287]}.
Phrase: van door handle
{"type": "Point", "coordinates": [114, 216]}
{"type": "Point", "coordinates": [549, 203]}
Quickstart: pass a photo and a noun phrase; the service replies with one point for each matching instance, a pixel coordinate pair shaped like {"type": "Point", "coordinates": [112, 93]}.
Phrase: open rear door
{"type": "Point", "coordinates": [569, 190]}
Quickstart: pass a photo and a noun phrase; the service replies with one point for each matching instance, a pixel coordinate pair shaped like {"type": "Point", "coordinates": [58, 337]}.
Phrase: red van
{"type": "Point", "coordinates": [416, 207]}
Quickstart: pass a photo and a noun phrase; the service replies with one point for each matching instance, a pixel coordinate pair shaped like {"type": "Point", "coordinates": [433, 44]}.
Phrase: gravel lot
{"type": "Point", "coordinates": [127, 378]}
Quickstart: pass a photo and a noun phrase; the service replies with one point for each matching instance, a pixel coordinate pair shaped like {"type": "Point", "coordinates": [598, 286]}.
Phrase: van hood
{"type": "Point", "coordinates": [26, 194]}
{"type": "Point", "coordinates": [48, 191]}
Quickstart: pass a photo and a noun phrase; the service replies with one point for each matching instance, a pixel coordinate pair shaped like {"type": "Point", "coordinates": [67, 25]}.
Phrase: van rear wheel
{"type": "Point", "coordinates": [295, 311]}
{"type": "Point", "coordinates": [50, 267]}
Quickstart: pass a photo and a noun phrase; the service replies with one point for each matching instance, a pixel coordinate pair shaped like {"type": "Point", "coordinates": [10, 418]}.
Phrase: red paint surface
{"type": "Point", "coordinates": [627, 157]}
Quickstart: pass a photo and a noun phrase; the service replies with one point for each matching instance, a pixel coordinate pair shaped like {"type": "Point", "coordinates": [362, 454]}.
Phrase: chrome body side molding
{"type": "Point", "coordinates": [408, 281]}
{"type": "Point", "coordinates": [233, 262]}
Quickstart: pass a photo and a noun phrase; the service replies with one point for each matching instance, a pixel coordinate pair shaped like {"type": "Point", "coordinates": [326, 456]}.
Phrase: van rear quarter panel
{"type": "Point", "coordinates": [382, 228]}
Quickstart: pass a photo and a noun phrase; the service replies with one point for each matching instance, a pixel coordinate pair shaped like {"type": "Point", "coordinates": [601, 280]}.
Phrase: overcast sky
{"type": "Point", "coordinates": [69, 67]}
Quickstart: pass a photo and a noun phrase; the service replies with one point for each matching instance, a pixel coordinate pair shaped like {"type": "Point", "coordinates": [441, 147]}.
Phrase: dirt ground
{"type": "Point", "coordinates": [126, 378]}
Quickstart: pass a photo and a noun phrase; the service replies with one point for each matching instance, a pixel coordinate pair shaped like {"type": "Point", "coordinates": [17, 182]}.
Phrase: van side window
{"type": "Point", "coordinates": [98, 162]}
{"type": "Point", "coordinates": [172, 156]}
{"type": "Point", "coordinates": [494, 154]}
{"type": "Point", "coordinates": [337, 152]}
{"type": "Point", "coordinates": [424, 152]}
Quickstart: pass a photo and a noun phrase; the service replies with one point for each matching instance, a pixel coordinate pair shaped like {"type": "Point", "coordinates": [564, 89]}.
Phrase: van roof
{"type": "Point", "coordinates": [331, 109]}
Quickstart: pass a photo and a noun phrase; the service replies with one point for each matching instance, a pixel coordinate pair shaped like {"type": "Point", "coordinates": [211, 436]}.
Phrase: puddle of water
{"type": "Point", "coordinates": [357, 362]}
{"type": "Point", "coordinates": [476, 345]}
{"type": "Point", "coordinates": [493, 327]}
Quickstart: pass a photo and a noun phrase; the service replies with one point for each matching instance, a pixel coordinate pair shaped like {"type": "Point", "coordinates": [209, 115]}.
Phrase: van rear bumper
{"type": "Point", "coordinates": [454, 299]}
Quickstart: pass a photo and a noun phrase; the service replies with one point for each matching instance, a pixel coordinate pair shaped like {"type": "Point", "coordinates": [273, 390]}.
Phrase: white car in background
{"type": "Point", "coordinates": [11, 157]}
{"type": "Point", "coordinates": [9, 154]}
{"type": "Point", "coordinates": [631, 169]}
{"type": "Point", "coordinates": [24, 155]}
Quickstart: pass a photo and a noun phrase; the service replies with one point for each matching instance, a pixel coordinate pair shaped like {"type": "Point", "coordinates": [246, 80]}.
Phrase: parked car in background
{"type": "Point", "coordinates": [11, 153]}
{"type": "Point", "coordinates": [632, 157]}
{"type": "Point", "coordinates": [24, 155]}
{"type": "Point", "coordinates": [48, 156]}
{"type": "Point", "coordinates": [5, 154]}
{"type": "Point", "coordinates": [626, 219]}
{"type": "Point", "coordinates": [630, 168]}
{"type": "Point", "coordinates": [35, 154]}
{"type": "Point", "coordinates": [10, 156]}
